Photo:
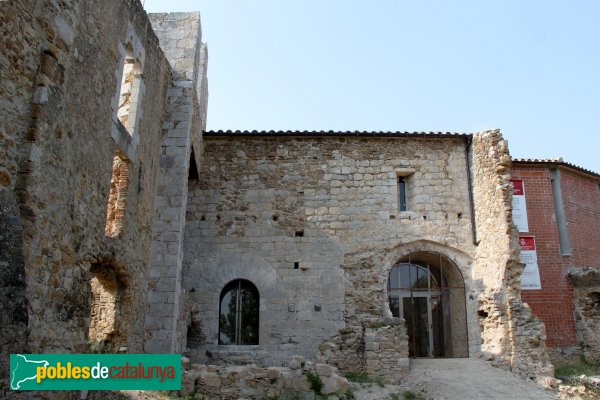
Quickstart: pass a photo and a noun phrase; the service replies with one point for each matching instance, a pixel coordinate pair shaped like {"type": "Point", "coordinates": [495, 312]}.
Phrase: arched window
{"type": "Point", "coordinates": [238, 313]}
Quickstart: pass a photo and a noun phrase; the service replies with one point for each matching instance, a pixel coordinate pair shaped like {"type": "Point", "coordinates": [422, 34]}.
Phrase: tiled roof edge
{"type": "Point", "coordinates": [339, 133]}
{"type": "Point", "coordinates": [555, 161]}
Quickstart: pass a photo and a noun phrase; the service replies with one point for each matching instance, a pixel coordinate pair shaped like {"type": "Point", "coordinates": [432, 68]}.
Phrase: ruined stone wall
{"type": "Point", "coordinates": [21, 36]}
{"type": "Point", "coordinates": [293, 382]}
{"type": "Point", "coordinates": [386, 351]}
{"type": "Point", "coordinates": [511, 335]}
{"type": "Point", "coordinates": [57, 154]}
{"type": "Point", "coordinates": [13, 311]}
{"type": "Point", "coordinates": [586, 300]}
{"type": "Point", "coordinates": [314, 223]}
{"type": "Point", "coordinates": [167, 314]}
{"type": "Point", "coordinates": [20, 55]}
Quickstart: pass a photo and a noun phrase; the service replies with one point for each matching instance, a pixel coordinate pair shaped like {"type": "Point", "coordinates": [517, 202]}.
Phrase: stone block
{"type": "Point", "coordinates": [324, 369]}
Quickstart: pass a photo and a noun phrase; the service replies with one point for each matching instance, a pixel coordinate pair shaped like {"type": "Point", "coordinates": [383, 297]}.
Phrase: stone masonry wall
{"type": "Point", "coordinates": [13, 312]}
{"type": "Point", "coordinates": [314, 223]}
{"type": "Point", "coordinates": [511, 335]}
{"type": "Point", "coordinates": [293, 382]}
{"type": "Point", "coordinates": [386, 351]}
{"type": "Point", "coordinates": [57, 154]}
{"type": "Point", "coordinates": [586, 301]}
{"type": "Point", "coordinates": [180, 37]}
{"type": "Point", "coordinates": [379, 348]}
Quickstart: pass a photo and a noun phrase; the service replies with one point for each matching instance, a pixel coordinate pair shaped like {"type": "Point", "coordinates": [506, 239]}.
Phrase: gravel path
{"type": "Point", "coordinates": [454, 379]}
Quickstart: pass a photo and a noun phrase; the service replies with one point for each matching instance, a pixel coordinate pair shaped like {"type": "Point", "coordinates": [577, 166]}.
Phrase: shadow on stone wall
{"type": "Point", "coordinates": [13, 305]}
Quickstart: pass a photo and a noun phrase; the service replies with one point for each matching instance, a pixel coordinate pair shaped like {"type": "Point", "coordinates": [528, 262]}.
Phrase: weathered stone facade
{"type": "Point", "coordinates": [313, 221]}
{"type": "Point", "coordinates": [292, 382]}
{"type": "Point", "coordinates": [379, 348]}
{"type": "Point", "coordinates": [83, 83]}
{"type": "Point", "coordinates": [122, 221]}
{"type": "Point", "coordinates": [587, 311]}
{"type": "Point", "coordinates": [510, 335]}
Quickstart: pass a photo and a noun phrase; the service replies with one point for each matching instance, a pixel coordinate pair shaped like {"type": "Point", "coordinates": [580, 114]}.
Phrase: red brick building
{"type": "Point", "coordinates": [557, 209]}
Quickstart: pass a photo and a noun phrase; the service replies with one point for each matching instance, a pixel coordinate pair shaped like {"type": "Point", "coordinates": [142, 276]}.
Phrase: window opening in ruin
{"type": "Point", "coordinates": [129, 96]}
{"type": "Point", "coordinates": [107, 329]}
{"type": "Point", "coordinates": [402, 193]}
{"type": "Point", "coordinates": [427, 290]}
{"type": "Point", "coordinates": [296, 265]}
{"type": "Point", "coordinates": [193, 169]}
{"type": "Point", "coordinates": [195, 333]}
{"type": "Point", "coordinates": [299, 233]}
{"type": "Point", "coordinates": [238, 313]}
{"type": "Point", "coordinates": [117, 197]}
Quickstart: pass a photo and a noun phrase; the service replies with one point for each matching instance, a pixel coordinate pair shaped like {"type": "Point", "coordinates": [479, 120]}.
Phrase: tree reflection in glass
{"type": "Point", "coordinates": [238, 314]}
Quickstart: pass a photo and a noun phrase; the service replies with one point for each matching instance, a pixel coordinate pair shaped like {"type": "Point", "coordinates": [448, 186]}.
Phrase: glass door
{"type": "Point", "coordinates": [417, 314]}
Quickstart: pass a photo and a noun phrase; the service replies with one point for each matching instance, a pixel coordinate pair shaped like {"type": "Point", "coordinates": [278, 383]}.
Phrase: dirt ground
{"type": "Point", "coordinates": [453, 379]}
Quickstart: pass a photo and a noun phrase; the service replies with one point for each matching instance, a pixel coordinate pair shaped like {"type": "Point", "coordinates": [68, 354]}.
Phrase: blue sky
{"type": "Point", "coordinates": [530, 68]}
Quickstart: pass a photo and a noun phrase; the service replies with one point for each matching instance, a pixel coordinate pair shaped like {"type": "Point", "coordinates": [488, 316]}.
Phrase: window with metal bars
{"type": "Point", "coordinates": [238, 313]}
{"type": "Point", "coordinates": [402, 193]}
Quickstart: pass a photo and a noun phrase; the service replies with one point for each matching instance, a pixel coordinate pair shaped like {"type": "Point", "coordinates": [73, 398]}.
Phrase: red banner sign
{"type": "Point", "coordinates": [527, 242]}
{"type": "Point", "coordinates": [517, 187]}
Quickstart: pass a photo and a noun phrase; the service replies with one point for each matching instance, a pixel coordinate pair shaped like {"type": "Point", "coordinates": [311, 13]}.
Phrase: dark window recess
{"type": "Point", "coordinates": [402, 193]}
{"type": "Point", "coordinates": [193, 171]}
{"type": "Point", "coordinates": [296, 265]}
{"type": "Point", "coordinates": [139, 188]}
{"type": "Point", "coordinates": [299, 233]}
{"type": "Point", "coordinates": [238, 313]}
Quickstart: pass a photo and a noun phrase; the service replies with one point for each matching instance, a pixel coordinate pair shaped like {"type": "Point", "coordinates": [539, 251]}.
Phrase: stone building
{"type": "Point", "coordinates": [562, 214]}
{"type": "Point", "coordinates": [333, 231]}
{"type": "Point", "coordinates": [100, 106]}
{"type": "Point", "coordinates": [124, 224]}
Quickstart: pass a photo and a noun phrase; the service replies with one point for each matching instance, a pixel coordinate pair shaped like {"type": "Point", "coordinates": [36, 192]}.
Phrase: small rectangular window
{"type": "Point", "coordinates": [402, 193]}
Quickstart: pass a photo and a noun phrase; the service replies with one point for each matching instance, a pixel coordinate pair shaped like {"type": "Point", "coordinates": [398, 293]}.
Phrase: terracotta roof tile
{"type": "Point", "coordinates": [339, 133]}
{"type": "Point", "coordinates": [555, 161]}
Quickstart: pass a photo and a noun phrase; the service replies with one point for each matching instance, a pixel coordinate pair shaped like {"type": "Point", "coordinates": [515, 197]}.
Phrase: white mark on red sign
{"type": "Point", "coordinates": [530, 279]}
{"type": "Point", "coordinates": [519, 205]}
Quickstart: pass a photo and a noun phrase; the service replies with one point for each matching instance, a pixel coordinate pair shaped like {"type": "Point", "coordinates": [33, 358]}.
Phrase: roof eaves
{"type": "Point", "coordinates": [558, 161]}
{"type": "Point", "coordinates": [338, 134]}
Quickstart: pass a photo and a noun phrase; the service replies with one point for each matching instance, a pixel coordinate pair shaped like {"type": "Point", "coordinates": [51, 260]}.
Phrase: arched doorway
{"type": "Point", "coordinates": [238, 313]}
{"type": "Point", "coordinates": [428, 291]}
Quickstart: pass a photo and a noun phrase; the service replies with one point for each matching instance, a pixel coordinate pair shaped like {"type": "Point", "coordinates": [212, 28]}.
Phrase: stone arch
{"type": "Point", "coordinates": [110, 307]}
{"type": "Point", "coordinates": [227, 268]}
{"type": "Point", "coordinates": [456, 273]}
{"type": "Point", "coordinates": [460, 258]}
